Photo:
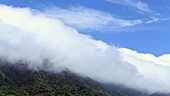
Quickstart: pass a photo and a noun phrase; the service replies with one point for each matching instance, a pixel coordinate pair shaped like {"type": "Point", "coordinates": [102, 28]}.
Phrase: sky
{"type": "Point", "coordinates": [122, 42]}
{"type": "Point", "coordinates": [141, 25]}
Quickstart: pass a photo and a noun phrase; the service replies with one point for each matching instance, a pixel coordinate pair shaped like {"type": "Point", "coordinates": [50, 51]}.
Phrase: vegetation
{"type": "Point", "coordinates": [23, 82]}
{"type": "Point", "coordinates": [20, 81]}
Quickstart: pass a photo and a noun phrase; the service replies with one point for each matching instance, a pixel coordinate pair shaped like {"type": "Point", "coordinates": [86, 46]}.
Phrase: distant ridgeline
{"type": "Point", "coordinates": [18, 80]}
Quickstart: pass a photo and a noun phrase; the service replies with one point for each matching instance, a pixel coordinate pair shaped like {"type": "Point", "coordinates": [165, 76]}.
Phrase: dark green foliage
{"type": "Point", "coordinates": [4, 80]}
{"type": "Point", "coordinates": [23, 82]}
{"type": "Point", "coordinates": [20, 81]}
{"type": "Point", "coordinates": [11, 90]}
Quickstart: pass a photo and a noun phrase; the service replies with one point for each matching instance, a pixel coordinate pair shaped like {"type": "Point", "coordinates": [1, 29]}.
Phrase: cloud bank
{"type": "Point", "coordinates": [34, 37]}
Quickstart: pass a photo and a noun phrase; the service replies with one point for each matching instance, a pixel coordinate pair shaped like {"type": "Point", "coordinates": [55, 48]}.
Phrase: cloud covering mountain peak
{"type": "Point", "coordinates": [34, 37]}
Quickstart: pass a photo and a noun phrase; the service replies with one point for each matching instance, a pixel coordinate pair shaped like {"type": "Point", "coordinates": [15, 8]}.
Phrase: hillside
{"type": "Point", "coordinates": [20, 81]}
{"type": "Point", "coordinates": [23, 82]}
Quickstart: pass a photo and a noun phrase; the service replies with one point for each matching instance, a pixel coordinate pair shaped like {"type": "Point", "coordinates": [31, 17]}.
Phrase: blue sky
{"type": "Point", "coordinates": [141, 25]}
{"type": "Point", "coordinates": [81, 35]}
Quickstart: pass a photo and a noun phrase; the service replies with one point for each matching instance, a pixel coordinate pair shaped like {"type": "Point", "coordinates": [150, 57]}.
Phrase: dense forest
{"type": "Point", "coordinates": [20, 81]}
{"type": "Point", "coordinates": [17, 81]}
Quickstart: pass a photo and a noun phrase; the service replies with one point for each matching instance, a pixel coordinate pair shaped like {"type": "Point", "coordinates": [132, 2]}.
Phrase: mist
{"type": "Point", "coordinates": [32, 36]}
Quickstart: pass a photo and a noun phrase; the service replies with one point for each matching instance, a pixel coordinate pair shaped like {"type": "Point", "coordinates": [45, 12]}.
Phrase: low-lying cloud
{"type": "Point", "coordinates": [33, 37]}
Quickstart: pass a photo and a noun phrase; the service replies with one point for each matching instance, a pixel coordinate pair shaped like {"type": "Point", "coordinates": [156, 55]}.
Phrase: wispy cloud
{"type": "Point", "coordinates": [152, 20]}
{"type": "Point", "coordinates": [85, 18]}
{"type": "Point", "coordinates": [136, 4]}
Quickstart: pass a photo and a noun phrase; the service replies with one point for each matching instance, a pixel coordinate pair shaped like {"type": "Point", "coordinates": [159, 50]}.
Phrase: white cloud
{"type": "Point", "coordinates": [85, 18]}
{"type": "Point", "coordinates": [136, 4]}
{"type": "Point", "coordinates": [150, 66]}
{"type": "Point", "coordinates": [33, 38]}
{"type": "Point", "coordinates": [152, 20]}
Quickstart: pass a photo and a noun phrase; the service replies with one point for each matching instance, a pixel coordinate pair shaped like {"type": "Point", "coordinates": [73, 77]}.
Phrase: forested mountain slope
{"type": "Point", "coordinates": [18, 80]}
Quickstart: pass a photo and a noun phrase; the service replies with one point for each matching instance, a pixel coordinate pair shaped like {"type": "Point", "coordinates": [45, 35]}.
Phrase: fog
{"type": "Point", "coordinates": [34, 37]}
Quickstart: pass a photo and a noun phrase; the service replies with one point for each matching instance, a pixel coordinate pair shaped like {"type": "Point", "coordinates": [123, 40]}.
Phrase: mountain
{"type": "Point", "coordinates": [18, 80]}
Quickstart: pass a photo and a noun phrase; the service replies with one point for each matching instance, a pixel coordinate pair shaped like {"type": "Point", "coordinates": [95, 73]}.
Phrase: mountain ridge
{"type": "Point", "coordinates": [19, 80]}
